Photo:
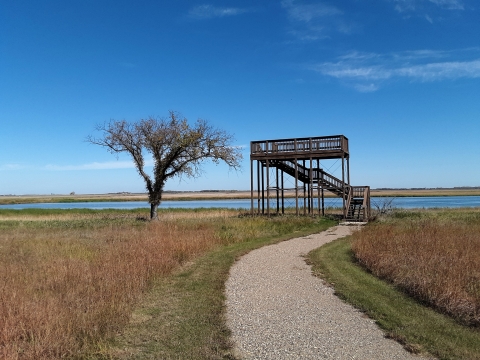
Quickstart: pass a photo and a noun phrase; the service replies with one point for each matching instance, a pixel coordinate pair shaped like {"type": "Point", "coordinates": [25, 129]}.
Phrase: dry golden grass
{"type": "Point", "coordinates": [68, 282]}
{"type": "Point", "coordinates": [212, 195]}
{"type": "Point", "coordinates": [435, 258]}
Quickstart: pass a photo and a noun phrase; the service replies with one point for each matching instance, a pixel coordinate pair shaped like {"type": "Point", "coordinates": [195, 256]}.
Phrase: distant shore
{"type": "Point", "coordinates": [217, 194]}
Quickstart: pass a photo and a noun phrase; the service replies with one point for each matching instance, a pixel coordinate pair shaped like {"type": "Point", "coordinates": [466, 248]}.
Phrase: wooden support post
{"type": "Point", "coordinates": [263, 190]}
{"type": "Point", "coordinates": [318, 186]}
{"type": "Point", "coordinates": [310, 192]}
{"type": "Point", "coordinates": [268, 188]}
{"type": "Point", "coordinates": [251, 187]}
{"type": "Point", "coordinates": [323, 198]}
{"type": "Point", "coordinates": [348, 170]}
{"type": "Point", "coordinates": [296, 177]}
{"type": "Point", "coordinates": [258, 187]}
{"type": "Point", "coordinates": [343, 186]}
{"type": "Point", "coordinates": [278, 192]}
{"type": "Point", "coordinates": [304, 191]}
{"type": "Point", "coordinates": [296, 186]}
{"type": "Point", "coordinates": [283, 194]}
{"type": "Point", "coordinates": [308, 198]}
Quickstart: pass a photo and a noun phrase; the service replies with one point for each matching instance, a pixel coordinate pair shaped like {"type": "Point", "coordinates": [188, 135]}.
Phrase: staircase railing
{"type": "Point", "coordinates": [366, 203]}
{"type": "Point", "coordinates": [349, 195]}
{"type": "Point", "coordinates": [333, 184]}
{"type": "Point", "coordinates": [326, 178]}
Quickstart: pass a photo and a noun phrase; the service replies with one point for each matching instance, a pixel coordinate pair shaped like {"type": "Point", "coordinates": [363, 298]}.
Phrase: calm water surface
{"type": "Point", "coordinates": [400, 202]}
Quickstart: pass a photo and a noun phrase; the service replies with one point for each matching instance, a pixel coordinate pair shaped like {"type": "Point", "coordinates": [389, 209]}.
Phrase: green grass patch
{"type": "Point", "coordinates": [183, 317]}
{"type": "Point", "coordinates": [419, 328]}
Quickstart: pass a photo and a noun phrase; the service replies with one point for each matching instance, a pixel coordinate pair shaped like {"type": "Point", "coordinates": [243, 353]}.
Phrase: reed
{"type": "Point", "coordinates": [433, 256]}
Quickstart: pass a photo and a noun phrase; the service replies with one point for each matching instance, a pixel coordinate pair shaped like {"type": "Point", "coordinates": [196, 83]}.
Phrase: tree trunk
{"type": "Point", "coordinates": [153, 211]}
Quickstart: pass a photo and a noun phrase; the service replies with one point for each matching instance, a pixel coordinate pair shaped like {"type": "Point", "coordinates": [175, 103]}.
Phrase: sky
{"type": "Point", "coordinates": [399, 78]}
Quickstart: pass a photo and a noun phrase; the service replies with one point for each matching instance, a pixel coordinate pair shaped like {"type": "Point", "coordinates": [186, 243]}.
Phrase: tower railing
{"type": "Point", "coordinates": [319, 144]}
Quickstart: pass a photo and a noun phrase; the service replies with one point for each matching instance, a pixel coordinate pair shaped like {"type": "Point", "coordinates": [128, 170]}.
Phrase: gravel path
{"type": "Point", "coordinates": [276, 309]}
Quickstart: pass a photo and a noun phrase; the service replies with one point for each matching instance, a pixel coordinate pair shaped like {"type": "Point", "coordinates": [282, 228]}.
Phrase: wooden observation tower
{"type": "Point", "coordinates": [300, 161]}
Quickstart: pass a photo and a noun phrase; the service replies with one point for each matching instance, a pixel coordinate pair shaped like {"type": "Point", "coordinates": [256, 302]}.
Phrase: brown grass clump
{"type": "Point", "coordinates": [434, 258]}
{"type": "Point", "coordinates": [66, 286]}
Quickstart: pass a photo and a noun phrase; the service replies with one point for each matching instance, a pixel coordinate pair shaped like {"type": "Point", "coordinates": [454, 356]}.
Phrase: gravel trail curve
{"type": "Point", "coordinates": [276, 309]}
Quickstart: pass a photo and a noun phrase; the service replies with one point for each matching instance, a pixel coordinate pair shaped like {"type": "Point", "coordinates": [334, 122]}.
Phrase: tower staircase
{"type": "Point", "coordinates": [356, 198]}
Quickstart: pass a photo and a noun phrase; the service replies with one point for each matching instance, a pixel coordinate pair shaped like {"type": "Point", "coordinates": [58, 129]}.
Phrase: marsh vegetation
{"type": "Point", "coordinates": [70, 279]}
{"type": "Point", "coordinates": [417, 274]}
{"type": "Point", "coordinates": [104, 284]}
{"type": "Point", "coordinates": [433, 256]}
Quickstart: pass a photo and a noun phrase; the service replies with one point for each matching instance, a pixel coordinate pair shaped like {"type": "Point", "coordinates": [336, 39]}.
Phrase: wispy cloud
{"type": "Point", "coordinates": [366, 72]}
{"type": "Point", "coordinates": [405, 5]}
{"type": "Point", "coordinates": [449, 4]}
{"type": "Point", "coordinates": [440, 71]}
{"type": "Point", "coordinates": [207, 11]}
{"type": "Point", "coordinates": [365, 88]}
{"type": "Point", "coordinates": [8, 167]}
{"type": "Point", "coordinates": [107, 165]}
{"type": "Point", "coordinates": [308, 12]}
{"type": "Point", "coordinates": [92, 166]}
{"type": "Point", "coordinates": [414, 5]}
{"type": "Point", "coordinates": [314, 21]}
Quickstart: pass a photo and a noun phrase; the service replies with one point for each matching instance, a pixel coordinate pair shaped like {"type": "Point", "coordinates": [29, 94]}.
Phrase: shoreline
{"type": "Point", "coordinates": [215, 195]}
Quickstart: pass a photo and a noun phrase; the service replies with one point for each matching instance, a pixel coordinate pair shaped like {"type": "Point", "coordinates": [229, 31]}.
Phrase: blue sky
{"type": "Point", "coordinates": [399, 78]}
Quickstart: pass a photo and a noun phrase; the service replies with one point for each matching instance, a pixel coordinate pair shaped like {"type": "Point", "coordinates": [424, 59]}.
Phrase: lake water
{"type": "Point", "coordinates": [400, 202]}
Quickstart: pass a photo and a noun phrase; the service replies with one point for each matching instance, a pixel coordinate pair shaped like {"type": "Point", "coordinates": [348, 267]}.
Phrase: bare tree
{"type": "Point", "coordinates": [177, 148]}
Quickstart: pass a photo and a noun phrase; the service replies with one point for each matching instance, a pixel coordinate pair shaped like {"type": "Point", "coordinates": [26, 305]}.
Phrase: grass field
{"type": "Point", "coordinates": [104, 284]}
{"type": "Point", "coordinates": [71, 279]}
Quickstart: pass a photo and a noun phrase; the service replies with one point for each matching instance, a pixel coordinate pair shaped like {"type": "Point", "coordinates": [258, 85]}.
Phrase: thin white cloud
{"type": "Point", "coordinates": [440, 71]}
{"type": "Point", "coordinates": [308, 12]}
{"type": "Point", "coordinates": [449, 4]}
{"type": "Point", "coordinates": [414, 5]}
{"type": "Point", "coordinates": [314, 21]}
{"type": "Point", "coordinates": [345, 71]}
{"type": "Point", "coordinates": [9, 167]}
{"type": "Point", "coordinates": [366, 88]}
{"type": "Point", "coordinates": [426, 72]}
{"type": "Point", "coordinates": [109, 165]}
{"type": "Point", "coordinates": [405, 5]}
{"type": "Point", "coordinates": [207, 11]}
{"type": "Point", "coordinates": [367, 71]}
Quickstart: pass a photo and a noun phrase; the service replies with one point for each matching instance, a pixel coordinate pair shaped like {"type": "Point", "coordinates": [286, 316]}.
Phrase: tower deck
{"type": "Point", "coordinates": [321, 147]}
